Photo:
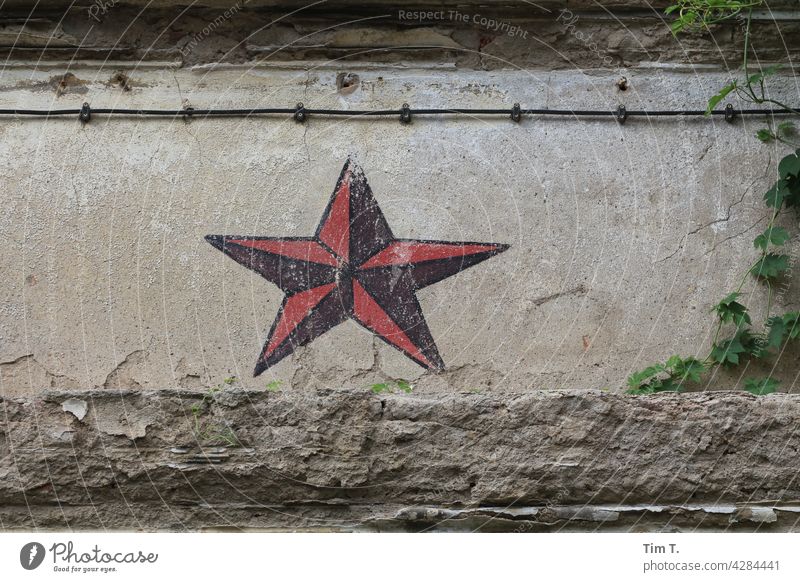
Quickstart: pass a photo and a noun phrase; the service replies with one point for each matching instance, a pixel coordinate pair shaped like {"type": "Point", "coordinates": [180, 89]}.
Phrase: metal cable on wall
{"type": "Point", "coordinates": [405, 113]}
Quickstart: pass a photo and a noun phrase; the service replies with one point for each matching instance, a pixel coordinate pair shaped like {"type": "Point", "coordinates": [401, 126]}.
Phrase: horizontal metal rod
{"type": "Point", "coordinates": [387, 112]}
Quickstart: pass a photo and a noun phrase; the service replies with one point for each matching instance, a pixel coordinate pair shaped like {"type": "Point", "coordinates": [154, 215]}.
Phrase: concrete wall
{"type": "Point", "coordinates": [621, 238]}
{"type": "Point", "coordinates": [349, 460]}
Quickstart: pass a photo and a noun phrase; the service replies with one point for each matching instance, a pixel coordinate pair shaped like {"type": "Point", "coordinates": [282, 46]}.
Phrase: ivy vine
{"type": "Point", "coordinates": [737, 339]}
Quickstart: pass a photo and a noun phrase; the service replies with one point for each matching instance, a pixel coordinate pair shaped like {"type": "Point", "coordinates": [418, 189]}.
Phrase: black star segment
{"type": "Point", "coordinates": [352, 268]}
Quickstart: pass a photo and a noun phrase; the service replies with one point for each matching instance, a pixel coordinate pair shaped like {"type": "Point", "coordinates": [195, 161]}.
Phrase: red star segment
{"type": "Point", "coordinates": [369, 314]}
{"type": "Point", "coordinates": [404, 253]}
{"type": "Point", "coordinates": [335, 231]}
{"type": "Point", "coordinates": [353, 268]}
{"type": "Point", "coordinates": [295, 309]}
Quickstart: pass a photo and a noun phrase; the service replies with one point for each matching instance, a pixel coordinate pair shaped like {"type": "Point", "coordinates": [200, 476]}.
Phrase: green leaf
{"type": "Point", "coordinates": [657, 385]}
{"type": "Point", "coordinates": [774, 235]}
{"type": "Point", "coordinates": [776, 332]}
{"type": "Point", "coordinates": [775, 196]}
{"type": "Point", "coordinates": [761, 386]}
{"type": "Point", "coordinates": [770, 266]}
{"type": "Point", "coordinates": [379, 388]}
{"type": "Point", "coordinates": [727, 352]}
{"type": "Point", "coordinates": [731, 311]}
{"type": "Point", "coordinates": [714, 101]}
{"type": "Point", "coordinates": [792, 322]}
{"type": "Point", "coordinates": [730, 298]}
{"type": "Point", "coordinates": [792, 192]}
{"type": "Point", "coordinates": [635, 380]}
{"type": "Point", "coordinates": [786, 129]}
{"type": "Point", "coordinates": [274, 385]}
{"type": "Point", "coordinates": [763, 74]}
{"type": "Point", "coordinates": [685, 20]}
{"type": "Point", "coordinates": [779, 235]}
{"type": "Point", "coordinates": [789, 166]}
{"type": "Point", "coordinates": [682, 370]}
{"type": "Point", "coordinates": [405, 386]}
{"type": "Point", "coordinates": [679, 370]}
{"type": "Point", "coordinates": [666, 385]}
{"type": "Point", "coordinates": [765, 135]}
{"type": "Point", "coordinates": [690, 369]}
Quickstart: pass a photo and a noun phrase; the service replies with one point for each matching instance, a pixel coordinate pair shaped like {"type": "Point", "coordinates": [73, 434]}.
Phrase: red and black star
{"type": "Point", "coordinates": [352, 268]}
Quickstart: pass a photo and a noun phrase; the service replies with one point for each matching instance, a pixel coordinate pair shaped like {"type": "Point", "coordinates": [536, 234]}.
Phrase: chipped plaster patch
{"type": "Point", "coordinates": [76, 407]}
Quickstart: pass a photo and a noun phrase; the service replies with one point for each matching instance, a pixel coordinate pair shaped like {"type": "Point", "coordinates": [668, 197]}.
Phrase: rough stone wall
{"type": "Point", "coordinates": [617, 34]}
{"type": "Point", "coordinates": [622, 237]}
{"type": "Point", "coordinates": [351, 460]}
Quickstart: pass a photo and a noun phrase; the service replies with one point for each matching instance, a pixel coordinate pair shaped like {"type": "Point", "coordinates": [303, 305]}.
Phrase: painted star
{"type": "Point", "coordinates": [352, 268]}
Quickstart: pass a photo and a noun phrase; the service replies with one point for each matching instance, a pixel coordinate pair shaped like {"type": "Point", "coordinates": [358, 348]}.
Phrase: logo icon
{"type": "Point", "coordinates": [31, 555]}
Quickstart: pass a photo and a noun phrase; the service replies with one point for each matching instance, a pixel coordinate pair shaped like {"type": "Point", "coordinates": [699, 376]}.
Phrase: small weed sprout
{"type": "Point", "coordinates": [391, 386]}
{"type": "Point", "coordinates": [211, 433]}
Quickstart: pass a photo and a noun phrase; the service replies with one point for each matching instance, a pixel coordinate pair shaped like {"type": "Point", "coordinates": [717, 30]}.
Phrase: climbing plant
{"type": "Point", "coordinates": [736, 338]}
{"type": "Point", "coordinates": [694, 14]}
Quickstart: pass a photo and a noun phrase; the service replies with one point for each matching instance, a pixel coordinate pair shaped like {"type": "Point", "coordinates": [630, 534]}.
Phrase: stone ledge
{"type": "Point", "coordinates": [561, 35]}
{"type": "Point", "coordinates": [351, 459]}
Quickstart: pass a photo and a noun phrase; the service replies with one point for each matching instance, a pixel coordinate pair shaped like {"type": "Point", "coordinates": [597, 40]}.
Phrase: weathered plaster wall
{"type": "Point", "coordinates": [621, 237]}
{"type": "Point", "coordinates": [118, 320]}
